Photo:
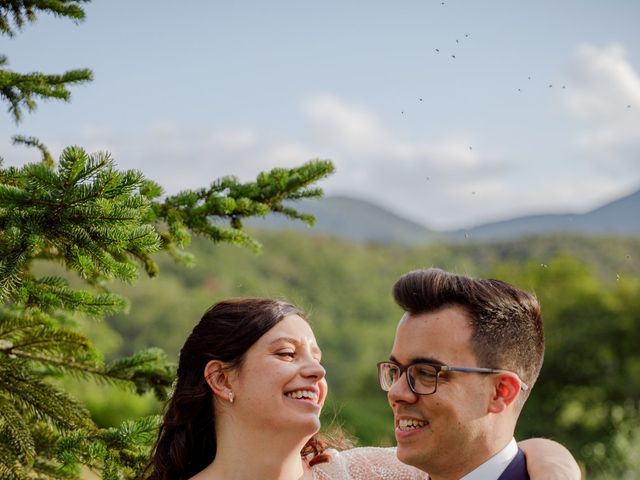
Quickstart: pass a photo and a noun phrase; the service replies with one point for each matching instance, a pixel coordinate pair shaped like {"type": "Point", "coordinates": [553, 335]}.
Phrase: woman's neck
{"type": "Point", "coordinates": [242, 456]}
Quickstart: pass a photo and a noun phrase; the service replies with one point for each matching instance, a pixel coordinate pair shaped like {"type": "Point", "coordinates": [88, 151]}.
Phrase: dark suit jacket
{"type": "Point", "coordinates": [517, 469]}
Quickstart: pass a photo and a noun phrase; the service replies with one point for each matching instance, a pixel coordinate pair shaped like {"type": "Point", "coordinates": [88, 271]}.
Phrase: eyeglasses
{"type": "Point", "coordinates": [422, 378]}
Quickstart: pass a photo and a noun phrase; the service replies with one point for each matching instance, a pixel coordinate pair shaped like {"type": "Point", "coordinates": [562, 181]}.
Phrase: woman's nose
{"type": "Point", "coordinates": [313, 368]}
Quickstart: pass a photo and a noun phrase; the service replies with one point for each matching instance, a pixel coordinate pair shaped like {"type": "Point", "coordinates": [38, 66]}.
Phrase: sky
{"type": "Point", "coordinates": [449, 113]}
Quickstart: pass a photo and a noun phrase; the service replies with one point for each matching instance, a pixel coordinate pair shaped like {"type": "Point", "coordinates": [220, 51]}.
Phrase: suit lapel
{"type": "Point", "coordinates": [517, 469]}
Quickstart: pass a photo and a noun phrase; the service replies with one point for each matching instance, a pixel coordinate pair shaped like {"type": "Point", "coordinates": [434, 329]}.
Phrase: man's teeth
{"type": "Point", "coordinates": [303, 394]}
{"type": "Point", "coordinates": [410, 424]}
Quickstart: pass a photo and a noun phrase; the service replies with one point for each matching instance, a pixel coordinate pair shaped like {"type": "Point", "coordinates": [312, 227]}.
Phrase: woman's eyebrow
{"type": "Point", "coordinates": [285, 339]}
{"type": "Point", "coordinates": [294, 341]}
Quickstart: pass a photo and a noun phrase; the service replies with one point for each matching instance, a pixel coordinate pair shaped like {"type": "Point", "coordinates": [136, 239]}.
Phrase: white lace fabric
{"type": "Point", "coordinates": [366, 463]}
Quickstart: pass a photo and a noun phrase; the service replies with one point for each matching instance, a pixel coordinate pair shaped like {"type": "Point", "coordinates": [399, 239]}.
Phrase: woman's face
{"type": "Point", "coordinates": [281, 384]}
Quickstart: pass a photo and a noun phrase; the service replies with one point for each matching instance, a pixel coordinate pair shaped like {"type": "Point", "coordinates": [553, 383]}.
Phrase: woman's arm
{"type": "Point", "coordinates": [548, 460]}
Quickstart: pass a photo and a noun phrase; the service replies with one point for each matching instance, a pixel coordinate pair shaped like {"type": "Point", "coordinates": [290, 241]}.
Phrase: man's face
{"type": "Point", "coordinates": [449, 427]}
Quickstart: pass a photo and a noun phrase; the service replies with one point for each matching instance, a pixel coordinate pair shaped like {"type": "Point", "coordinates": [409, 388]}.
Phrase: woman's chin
{"type": "Point", "coordinates": [309, 426]}
{"type": "Point", "coordinates": [312, 425]}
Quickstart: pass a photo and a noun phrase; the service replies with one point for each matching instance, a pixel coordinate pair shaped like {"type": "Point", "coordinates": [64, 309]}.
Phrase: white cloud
{"type": "Point", "coordinates": [182, 159]}
{"type": "Point", "coordinates": [443, 183]}
{"type": "Point", "coordinates": [425, 180]}
{"type": "Point", "coordinates": [335, 122]}
{"type": "Point", "coordinates": [604, 99]}
{"type": "Point", "coordinates": [421, 179]}
{"type": "Point", "coordinates": [603, 83]}
{"type": "Point", "coordinates": [354, 129]}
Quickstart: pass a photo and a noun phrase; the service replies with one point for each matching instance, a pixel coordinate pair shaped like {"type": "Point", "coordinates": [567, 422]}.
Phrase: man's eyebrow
{"type": "Point", "coordinates": [431, 360]}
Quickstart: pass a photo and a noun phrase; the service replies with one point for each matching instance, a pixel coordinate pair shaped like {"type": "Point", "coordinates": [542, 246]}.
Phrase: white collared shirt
{"type": "Point", "coordinates": [493, 468]}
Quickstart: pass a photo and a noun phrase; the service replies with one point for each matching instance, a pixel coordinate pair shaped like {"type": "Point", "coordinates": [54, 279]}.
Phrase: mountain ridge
{"type": "Point", "coordinates": [613, 218]}
{"type": "Point", "coordinates": [365, 221]}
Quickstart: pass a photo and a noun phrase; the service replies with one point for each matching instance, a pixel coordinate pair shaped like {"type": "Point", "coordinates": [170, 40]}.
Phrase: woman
{"type": "Point", "coordinates": [247, 404]}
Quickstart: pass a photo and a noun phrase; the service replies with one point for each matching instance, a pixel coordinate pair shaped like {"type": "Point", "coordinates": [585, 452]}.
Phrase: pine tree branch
{"type": "Point", "coordinates": [14, 14]}
{"type": "Point", "coordinates": [10, 467]}
{"type": "Point", "coordinates": [99, 222]}
{"type": "Point", "coordinates": [141, 378]}
{"type": "Point", "coordinates": [195, 211]}
{"type": "Point", "coordinates": [15, 434]}
{"type": "Point", "coordinates": [86, 214]}
{"type": "Point", "coordinates": [46, 463]}
{"type": "Point", "coordinates": [47, 159]}
{"type": "Point", "coordinates": [102, 224]}
{"type": "Point", "coordinates": [34, 338]}
{"type": "Point", "coordinates": [21, 90]}
{"type": "Point", "coordinates": [121, 452]}
{"type": "Point", "coordinates": [40, 399]}
{"type": "Point", "coordinates": [66, 364]}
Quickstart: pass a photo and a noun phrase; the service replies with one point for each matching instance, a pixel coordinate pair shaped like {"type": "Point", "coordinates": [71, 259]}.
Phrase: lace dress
{"type": "Point", "coordinates": [367, 463]}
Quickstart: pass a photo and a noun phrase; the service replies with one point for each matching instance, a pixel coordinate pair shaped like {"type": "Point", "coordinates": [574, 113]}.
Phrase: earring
{"type": "Point", "coordinates": [230, 397]}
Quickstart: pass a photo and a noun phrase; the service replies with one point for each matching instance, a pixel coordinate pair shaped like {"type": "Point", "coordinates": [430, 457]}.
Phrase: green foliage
{"type": "Point", "coordinates": [72, 232]}
{"type": "Point", "coordinates": [115, 452]}
{"type": "Point", "coordinates": [15, 13]}
{"type": "Point", "coordinates": [21, 90]}
{"type": "Point", "coordinates": [592, 362]}
{"type": "Point", "coordinates": [99, 225]}
{"type": "Point", "coordinates": [103, 225]}
{"type": "Point", "coordinates": [86, 215]}
{"type": "Point", "coordinates": [33, 347]}
{"type": "Point", "coordinates": [588, 393]}
{"type": "Point", "coordinates": [228, 199]}
{"type": "Point", "coordinates": [47, 159]}
{"type": "Point", "coordinates": [618, 455]}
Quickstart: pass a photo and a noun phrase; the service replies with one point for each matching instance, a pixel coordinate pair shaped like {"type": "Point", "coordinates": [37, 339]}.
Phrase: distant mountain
{"type": "Point", "coordinates": [363, 221]}
{"type": "Point", "coordinates": [353, 219]}
{"type": "Point", "coordinates": [620, 217]}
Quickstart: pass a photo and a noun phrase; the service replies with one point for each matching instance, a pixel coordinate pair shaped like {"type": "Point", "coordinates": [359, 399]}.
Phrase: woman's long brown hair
{"type": "Point", "coordinates": [186, 442]}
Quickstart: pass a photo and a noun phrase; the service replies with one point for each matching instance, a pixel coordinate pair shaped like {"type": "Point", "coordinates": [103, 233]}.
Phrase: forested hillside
{"type": "Point", "coordinates": [588, 393]}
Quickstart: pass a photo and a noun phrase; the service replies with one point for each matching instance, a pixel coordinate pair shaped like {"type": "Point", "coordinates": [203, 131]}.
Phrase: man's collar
{"type": "Point", "coordinates": [493, 468]}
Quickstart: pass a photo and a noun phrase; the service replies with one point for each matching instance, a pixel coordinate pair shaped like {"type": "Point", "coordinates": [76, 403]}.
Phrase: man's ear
{"type": "Point", "coordinates": [217, 377]}
{"type": "Point", "coordinates": [506, 390]}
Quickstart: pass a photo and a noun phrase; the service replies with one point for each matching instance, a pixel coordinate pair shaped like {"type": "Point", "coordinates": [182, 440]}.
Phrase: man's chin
{"type": "Point", "coordinates": [409, 455]}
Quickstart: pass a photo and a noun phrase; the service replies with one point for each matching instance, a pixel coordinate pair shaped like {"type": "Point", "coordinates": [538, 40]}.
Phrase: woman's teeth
{"type": "Point", "coordinates": [303, 394]}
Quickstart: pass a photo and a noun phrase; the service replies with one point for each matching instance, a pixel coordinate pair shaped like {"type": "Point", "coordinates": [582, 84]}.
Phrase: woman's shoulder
{"type": "Point", "coordinates": [365, 463]}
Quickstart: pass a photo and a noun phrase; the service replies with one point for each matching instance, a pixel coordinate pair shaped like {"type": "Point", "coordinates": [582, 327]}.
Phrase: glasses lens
{"type": "Point", "coordinates": [388, 373]}
{"type": "Point", "coordinates": [423, 378]}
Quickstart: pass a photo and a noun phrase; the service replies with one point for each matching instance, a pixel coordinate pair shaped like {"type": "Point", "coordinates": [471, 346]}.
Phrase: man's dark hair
{"type": "Point", "coordinates": [506, 321]}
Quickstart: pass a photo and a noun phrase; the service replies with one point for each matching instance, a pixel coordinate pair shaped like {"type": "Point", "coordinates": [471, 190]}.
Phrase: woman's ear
{"type": "Point", "coordinates": [217, 377]}
{"type": "Point", "coordinates": [506, 390]}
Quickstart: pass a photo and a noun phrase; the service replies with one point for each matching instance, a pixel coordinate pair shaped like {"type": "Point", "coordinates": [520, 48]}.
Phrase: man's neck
{"type": "Point", "coordinates": [494, 466]}
{"type": "Point", "coordinates": [471, 460]}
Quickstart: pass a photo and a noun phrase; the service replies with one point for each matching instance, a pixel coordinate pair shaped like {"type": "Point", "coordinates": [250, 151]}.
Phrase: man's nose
{"type": "Point", "coordinates": [400, 391]}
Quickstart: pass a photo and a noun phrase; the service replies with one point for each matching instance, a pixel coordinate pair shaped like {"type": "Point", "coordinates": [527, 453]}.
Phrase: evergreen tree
{"type": "Point", "coordinates": [103, 225]}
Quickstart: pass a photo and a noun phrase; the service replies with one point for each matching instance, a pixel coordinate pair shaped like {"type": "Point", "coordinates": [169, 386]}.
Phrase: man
{"type": "Point", "coordinates": [466, 354]}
